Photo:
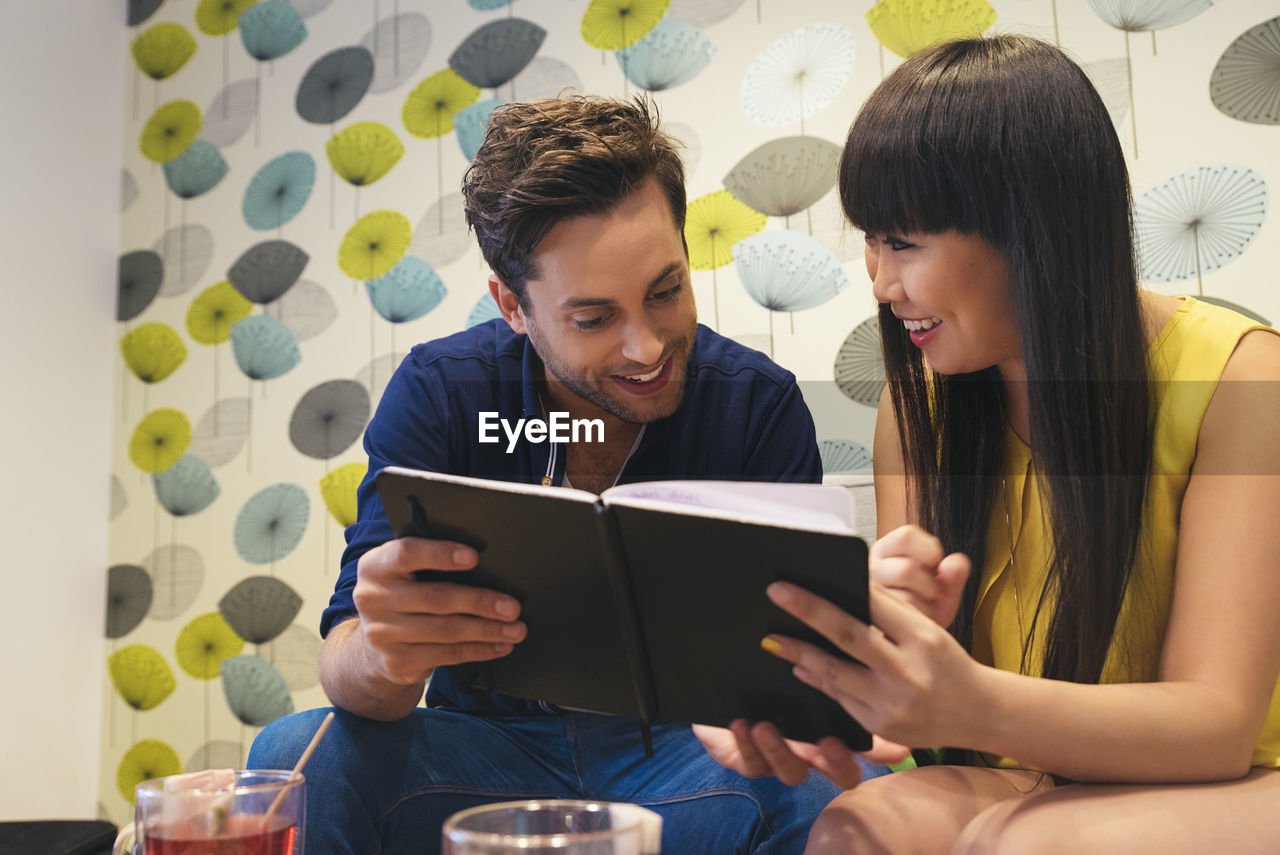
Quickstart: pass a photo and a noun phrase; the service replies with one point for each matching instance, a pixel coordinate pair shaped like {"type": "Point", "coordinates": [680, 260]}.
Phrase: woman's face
{"type": "Point", "coordinates": [951, 293]}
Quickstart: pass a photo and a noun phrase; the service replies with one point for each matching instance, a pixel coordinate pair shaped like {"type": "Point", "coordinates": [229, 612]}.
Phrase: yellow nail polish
{"type": "Point", "coordinates": [770, 645]}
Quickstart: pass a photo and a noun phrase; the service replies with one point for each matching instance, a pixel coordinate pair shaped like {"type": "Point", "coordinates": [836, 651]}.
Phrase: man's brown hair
{"type": "Point", "coordinates": [548, 160]}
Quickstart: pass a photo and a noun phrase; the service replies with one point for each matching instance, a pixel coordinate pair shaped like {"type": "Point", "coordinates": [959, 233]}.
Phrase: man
{"type": "Point", "coordinates": [578, 205]}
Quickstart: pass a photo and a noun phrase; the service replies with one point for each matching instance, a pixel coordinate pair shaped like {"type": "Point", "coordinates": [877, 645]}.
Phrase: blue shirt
{"type": "Point", "coordinates": [742, 419]}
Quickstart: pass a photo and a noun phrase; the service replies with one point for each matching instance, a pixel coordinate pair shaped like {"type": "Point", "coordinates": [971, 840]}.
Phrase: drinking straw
{"type": "Point", "coordinates": [297, 770]}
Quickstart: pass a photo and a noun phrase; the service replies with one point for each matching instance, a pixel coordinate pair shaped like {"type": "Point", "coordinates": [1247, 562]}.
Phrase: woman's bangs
{"type": "Point", "coordinates": [894, 178]}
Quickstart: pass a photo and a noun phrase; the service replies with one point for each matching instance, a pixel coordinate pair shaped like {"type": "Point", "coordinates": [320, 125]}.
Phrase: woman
{"type": "Point", "coordinates": [1104, 458]}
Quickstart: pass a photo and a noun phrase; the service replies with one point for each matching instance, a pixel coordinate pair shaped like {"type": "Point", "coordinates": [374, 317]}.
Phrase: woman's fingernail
{"type": "Point", "coordinates": [771, 646]}
{"type": "Point", "coordinates": [462, 555]}
{"type": "Point", "coordinates": [779, 592]}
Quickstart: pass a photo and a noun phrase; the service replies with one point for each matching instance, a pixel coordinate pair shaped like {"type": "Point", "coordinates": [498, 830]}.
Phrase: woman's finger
{"type": "Point", "coordinates": [910, 541]}
{"type": "Point", "coordinates": [846, 632]}
{"type": "Point", "coordinates": [897, 620]}
{"type": "Point", "coordinates": [908, 574]}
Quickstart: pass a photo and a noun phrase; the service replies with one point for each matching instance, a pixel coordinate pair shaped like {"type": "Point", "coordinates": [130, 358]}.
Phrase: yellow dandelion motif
{"type": "Point", "coordinates": [159, 440]}
{"type": "Point", "coordinates": [338, 489]}
{"type": "Point", "coordinates": [153, 351]}
{"type": "Point", "coordinates": [147, 759]}
{"type": "Point", "coordinates": [169, 131]}
{"type": "Point", "coordinates": [429, 110]}
{"type": "Point", "coordinates": [364, 152]}
{"type": "Point", "coordinates": [219, 17]}
{"type": "Point", "coordinates": [374, 244]}
{"type": "Point", "coordinates": [713, 224]}
{"type": "Point", "coordinates": [141, 676]}
{"type": "Point", "coordinates": [162, 50]}
{"type": "Point", "coordinates": [908, 26]}
{"type": "Point", "coordinates": [212, 313]}
{"type": "Point", "coordinates": [615, 24]}
{"type": "Point", "coordinates": [204, 643]}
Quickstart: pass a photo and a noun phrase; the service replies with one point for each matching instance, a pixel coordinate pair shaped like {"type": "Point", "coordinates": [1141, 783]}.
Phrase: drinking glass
{"type": "Point", "coordinates": [553, 827]}
{"type": "Point", "coordinates": [222, 812]}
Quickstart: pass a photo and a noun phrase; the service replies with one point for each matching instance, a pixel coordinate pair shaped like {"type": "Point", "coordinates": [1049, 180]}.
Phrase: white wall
{"type": "Point", "coordinates": [61, 120]}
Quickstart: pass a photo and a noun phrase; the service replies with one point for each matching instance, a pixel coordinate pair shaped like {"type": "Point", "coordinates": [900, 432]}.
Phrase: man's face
{"type": "Point", "coordinates": [612, 313]}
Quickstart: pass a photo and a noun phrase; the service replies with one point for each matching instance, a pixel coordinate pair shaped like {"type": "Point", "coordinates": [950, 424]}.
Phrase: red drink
{"type": "Point", "coordinates": [243, 834]}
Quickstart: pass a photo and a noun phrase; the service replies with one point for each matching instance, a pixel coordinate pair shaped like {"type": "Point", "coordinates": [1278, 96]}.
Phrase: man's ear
{"type": "Point", "coordinates": [508, 304]}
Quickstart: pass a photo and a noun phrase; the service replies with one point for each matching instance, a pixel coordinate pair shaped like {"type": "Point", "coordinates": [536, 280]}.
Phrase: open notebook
{"type": "Point", "coordinates": [648, 600]}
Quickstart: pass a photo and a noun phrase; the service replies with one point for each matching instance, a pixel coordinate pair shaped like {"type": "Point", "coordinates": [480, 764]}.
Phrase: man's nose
{"type": "Point", "coordinates": [641, 342]}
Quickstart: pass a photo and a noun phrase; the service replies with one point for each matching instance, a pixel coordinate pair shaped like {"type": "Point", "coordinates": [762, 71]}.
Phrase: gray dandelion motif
{"type": "Point", "coordinates": [259, 608]}
{"type": "Point", "coordinates": [129, 596]}
{"type": "Point", "coordinates": [1245, 83]}
{"type": "Point", "coordinates": [329, 418]}
{"type": "Point", "coordinates": [1197, 221]}
{"type": "Point", "coordinates": [843, 455]}
{"type": "Point", "coordinates": [859, 366]}
{"type": "Point", "coordinates": [785, 176]}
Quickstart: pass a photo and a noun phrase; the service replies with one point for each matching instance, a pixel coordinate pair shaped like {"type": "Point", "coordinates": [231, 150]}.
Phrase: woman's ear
{"type": "Point", "coordinates": [508, 304]}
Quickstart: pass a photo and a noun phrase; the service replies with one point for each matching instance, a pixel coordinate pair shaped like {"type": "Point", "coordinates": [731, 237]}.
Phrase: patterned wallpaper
{"type": "Point", "coordinates": [292, 225]}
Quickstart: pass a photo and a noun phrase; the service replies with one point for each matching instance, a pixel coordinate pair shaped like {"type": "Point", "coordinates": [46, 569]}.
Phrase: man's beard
{"type": "Point", "coordinates": [583, 386]}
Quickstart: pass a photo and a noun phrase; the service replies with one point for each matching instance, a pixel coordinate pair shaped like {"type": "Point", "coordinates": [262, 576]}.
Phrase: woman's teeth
{"type": "Point", "coordinates": [916, 326]}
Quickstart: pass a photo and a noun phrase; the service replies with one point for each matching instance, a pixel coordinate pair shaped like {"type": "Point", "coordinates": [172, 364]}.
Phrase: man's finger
{"type": "Point", "coordinates": [786, 766]}
{"type": "Point", "coordinates": [838, 763]}
{"type": "Point", "coordinates": [753, 763]}
{"type": "Point", "coordinates": [886, 753]}
{"type": "Point", "coordinates": [445, 629]}
{"type": "Point", "coordinates": [447, 598]}
{"type": "Point", "coordinates": [405, 555]}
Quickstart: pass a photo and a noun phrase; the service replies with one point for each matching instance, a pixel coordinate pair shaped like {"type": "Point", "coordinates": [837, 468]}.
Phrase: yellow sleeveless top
{"type": "Point", "coordinates": [1187, 359]}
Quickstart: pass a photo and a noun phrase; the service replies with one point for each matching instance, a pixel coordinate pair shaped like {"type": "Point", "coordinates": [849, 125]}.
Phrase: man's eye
{"type": "Point", "coordinates": [669, 294]}
{"type": "Point", "coordinates": [588, 324]}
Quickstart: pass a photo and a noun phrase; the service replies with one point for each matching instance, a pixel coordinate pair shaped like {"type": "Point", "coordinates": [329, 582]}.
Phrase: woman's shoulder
{"type": "Point", "coordinates": [1192, 339]}
{"type": "Point", "coordinates": [1158, 310]}
{"type": "Point", "coordinates": [1256, 357]}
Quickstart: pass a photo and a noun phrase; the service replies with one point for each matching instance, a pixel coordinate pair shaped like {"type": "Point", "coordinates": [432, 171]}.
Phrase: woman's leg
{"type": "Point", "coordinates": [1240, 817]}
{"type": "Point", "coordinates": [917, 811]}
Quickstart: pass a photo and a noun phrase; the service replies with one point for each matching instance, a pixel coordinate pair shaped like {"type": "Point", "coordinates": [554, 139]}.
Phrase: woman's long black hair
{"type": "Point", "coordinates": [1005, 137]}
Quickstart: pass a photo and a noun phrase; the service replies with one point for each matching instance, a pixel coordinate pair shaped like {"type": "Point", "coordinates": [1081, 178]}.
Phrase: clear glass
{"type": "Point", "coordinates": [189, 815]}
{"type": "Point", "coordinates": [553, 827]}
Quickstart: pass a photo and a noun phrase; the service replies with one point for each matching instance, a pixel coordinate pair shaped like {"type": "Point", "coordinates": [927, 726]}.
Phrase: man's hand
{"type": "Point", "coordinates": [410, 627]}
{"type": "Point", "coordinates": [377, 664]}
{"type": "Point", "coordinates": [755, 751]}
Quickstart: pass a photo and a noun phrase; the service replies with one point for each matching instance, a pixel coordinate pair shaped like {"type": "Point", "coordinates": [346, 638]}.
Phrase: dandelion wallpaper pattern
{"type": "Point", "coordinates": [292, 225]}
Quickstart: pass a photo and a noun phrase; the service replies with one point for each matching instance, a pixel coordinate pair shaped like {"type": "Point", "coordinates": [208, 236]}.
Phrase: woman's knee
{"type": "Point", "coordinates": [867, 819]}
{"type": "Point", "coordinates": [1023, 827]}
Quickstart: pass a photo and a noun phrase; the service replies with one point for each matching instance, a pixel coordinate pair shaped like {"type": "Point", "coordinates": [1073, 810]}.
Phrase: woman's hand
{"type": "Point", "coordinates": [912, 682]}
{"type": "Point", "coordinates": [759, 750]}
{"type": "Point", "coordinates": [910, 562]}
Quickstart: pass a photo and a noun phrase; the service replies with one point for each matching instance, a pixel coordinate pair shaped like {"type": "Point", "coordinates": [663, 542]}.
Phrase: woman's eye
{"type": "Point", "coordinates": [896, 244]}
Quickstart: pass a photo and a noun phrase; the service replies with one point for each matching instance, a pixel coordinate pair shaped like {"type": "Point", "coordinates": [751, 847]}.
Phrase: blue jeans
{"type": "Point", "coordinates": [387, 787]}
